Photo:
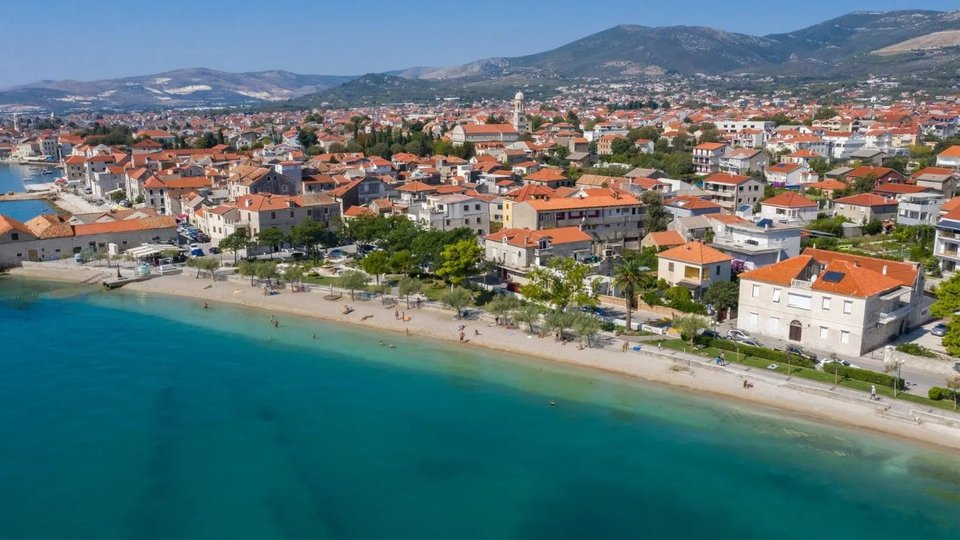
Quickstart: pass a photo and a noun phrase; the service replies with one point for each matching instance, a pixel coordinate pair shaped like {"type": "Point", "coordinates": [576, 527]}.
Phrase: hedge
{"type": "Point", "coordinates": [757, 352]}
{"type": "Point", "coordinates": [936, 393]}
{"type": "Point", "coordinates": [864, 375]}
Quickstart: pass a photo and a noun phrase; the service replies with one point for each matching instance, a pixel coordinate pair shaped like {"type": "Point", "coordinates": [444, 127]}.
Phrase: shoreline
{"type": "Point", "coordinates": [672, 370]}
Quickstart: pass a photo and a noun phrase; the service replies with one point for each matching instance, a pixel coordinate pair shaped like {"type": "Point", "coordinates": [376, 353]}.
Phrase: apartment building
{"type": "Point", "coordinates": [616, 219]}
{"type": "Point", "coordinates": [731, 190]}
{"type": "Point", "coordinates": [693, 265]}
{"type": "Point", "coordinates": [744, 161]}
{"type": "Point", "coordinates": [516, 251]}
{"type": "Point", "coordinates": [706, 157]}
{"type": "Point", "coordinates": [446, 212]}
{"type": "Point", "coordinates": [832, 302]}
{"type": "Point", "coordinates": [757, 244]}
{"type": "Point", "coordinates": [789, 207]}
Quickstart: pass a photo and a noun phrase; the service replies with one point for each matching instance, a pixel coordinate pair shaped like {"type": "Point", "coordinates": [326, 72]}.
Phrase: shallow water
{"type": "Point", "coordinates": [13, 178]}
{"type": "Point", "coordinates": [128, 416]}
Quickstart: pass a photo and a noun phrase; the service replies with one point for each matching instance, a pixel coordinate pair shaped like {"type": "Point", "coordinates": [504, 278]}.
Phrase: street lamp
{"type": "Point", "coordinates": [896, 382]}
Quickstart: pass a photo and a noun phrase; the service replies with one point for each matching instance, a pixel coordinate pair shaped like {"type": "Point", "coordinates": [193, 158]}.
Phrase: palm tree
{"type": "Point", "coordinates": [629, 277]}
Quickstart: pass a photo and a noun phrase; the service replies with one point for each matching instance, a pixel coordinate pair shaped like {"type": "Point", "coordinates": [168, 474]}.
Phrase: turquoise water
{"type": "Point", "coordinates": [13, 178]}
{"type": "Point", "coordinates": [131, 417]}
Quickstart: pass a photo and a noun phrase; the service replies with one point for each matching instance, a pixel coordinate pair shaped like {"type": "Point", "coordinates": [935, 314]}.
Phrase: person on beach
{"type": "Point", "coordinates": [476, 332]}
{"type": "Point", "coordinates": [396, 314]}
{"type": "Point", "coordinates": [659, 345]}
{"type": "Point", "coordinates": [462, 335]}
{"type": "Point", "coordinates": [276, 323]}
{"type": "Point", "coordinates": [408, 331]}
{"type": "Point", "coordinates": [625, 345]}
{"type": "Point", "coordinates": [206, 306]}
{"type": "Point", "coordinates": [873, 392]}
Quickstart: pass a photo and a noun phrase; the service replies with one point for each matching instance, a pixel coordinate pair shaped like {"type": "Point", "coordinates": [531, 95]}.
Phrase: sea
{"type": "Point", "coordinates": [14, 177]}
{"type": "Point", "coordinates": [128, 416]}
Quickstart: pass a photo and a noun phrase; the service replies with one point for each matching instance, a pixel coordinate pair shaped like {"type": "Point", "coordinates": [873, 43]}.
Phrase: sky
{"type": "Point", "coordinates": [98, 39]}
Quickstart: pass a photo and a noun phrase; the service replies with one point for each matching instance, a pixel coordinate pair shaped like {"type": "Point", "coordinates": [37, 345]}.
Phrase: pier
{"type": "Point", "coordinates": [29, 196]}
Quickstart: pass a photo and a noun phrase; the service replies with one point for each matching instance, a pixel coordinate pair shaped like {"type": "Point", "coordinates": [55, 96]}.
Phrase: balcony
{"type": "Point", "coordinates": [800, 284]}
{"type": "Point", "coordinates": [743, 246]}
{"type": "Point", "coordinates": [893, 316]}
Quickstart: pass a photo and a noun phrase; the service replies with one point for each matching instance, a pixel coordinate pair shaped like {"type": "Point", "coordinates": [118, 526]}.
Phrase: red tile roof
{"type": "Point", "coordinates": [790, 200]}
{"type": "Point", "coordinates": [695, 253]}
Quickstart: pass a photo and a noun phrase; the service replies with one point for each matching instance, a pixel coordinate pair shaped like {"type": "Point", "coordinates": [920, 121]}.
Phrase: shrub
{"type": "Point", "coordinates": [916, 350]}
{"type": "Point", "coordinates": [779, 357]}
{"type": "Point", "coordinates": [866, 375]}
{"type": "Point", "coordinates": [936, 393]}
{"type": "Point", "coordinates": [652, 298]}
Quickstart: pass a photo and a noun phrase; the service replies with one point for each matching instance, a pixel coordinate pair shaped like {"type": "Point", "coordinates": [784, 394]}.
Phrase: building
{"type": "Point", "coordinates": [946, 243]}
{"type": "Point", "coordinates": [51, 237]}
{"type": "Point", "coordinates": [707, 156]}
{"type": "Point", "coordinates": [832, 302]}
{"type": "Point", "coordinates": [919, 209]}
{"type": "Point", "coordinates": [519, 118]}
{"type": "Point", "coordinates": [880, 175]}
{"type": "Point", "coordinates": [789, 207]}
{"type": "Point", "coordinates": [516, 251]}
{"type": "Point", "coordinates": [731, 190]}
{"type": "Point", "coordinates": [693, 265]}
{"type": "Point", "coordinates": [689, 205]}
{"type": "Point", "coordinates": [744, 161]}
{"type": "Point", "coordinates": [663, 240]}
{"type": "Point", "coordinates": [757, 244]}
{"type": "Point", "coordinates": [784, 174]}
{"type": "Point", "coordinates": [942, 179]}
{"type": "Point", "coordinates": [474, 133]}
{"type": "Point", "coordinates": [253, 180]}
{"type": "Point", "coordinates": [949, 157]}
{"type": "Point", "coordinates": [616, 220]}
{"type": "Point", "coordinates": [447, 212]}
{"type": "Point", "coordinates": [865, 207]}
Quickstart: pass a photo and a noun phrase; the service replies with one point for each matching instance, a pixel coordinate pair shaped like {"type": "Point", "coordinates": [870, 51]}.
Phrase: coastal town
{"type": "Point", "coordinates": [807, 233]}
{"type": "Point", "coordinates": [576, 270]}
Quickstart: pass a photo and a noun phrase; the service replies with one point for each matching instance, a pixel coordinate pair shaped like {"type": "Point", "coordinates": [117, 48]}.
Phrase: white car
{"type": "Point", "coordinates": [737, 335]}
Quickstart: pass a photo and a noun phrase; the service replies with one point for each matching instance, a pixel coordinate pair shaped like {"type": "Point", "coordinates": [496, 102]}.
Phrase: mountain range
{"type": "Point", "coordinates": [912, 43]}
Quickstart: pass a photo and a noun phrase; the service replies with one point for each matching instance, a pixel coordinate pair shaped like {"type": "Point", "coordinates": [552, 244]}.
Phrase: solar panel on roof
{"type": "Point", "coordinates": [833, 277]}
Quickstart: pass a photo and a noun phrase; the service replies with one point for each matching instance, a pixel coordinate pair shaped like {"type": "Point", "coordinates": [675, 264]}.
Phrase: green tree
{"type": "Point", "coordinates": [722, 295]}
{"type": "Point", "coordinates": [689, 326]}
{"type": "Point", "coordinates": [267, 270]}
{"type": "Point", "coordinates": [353, 281]}
{"type": "Point", "coordinates": [235, 241]}
{"type": "Point", "coordinates": [402, 262]}
{"type": "Point", "coordinates": [459, 261]}
{"type": "Point", "coordinates": [204, 264]}
{"type": "Point", "coordinates": [409, 285]}
{"type": "Point", "coordinates": [951, 340]}
{"type": "Point", "coordinates": [657, 216]}
{"type": "Point", "coordinates": [502, 306]}
{"type": "Point", "coordinates": [630, 277]}
{"type": "Point", "coordinates": [248, 268]}
{"type": "Point", "coordinates": [819, 166]}
{"type": "Point", "coordinates": [293, 275]}
{"type": "Point", "coordinates": [376, 263]}
{"type": "Point", "coordinates": [864, 184]}
{"type": "Point", "coordinates": [558, 321]}
{"type": "Point", "coordinates": [457, 298]}
{"type": "Point", "coordinates": [825, 113]}
{"type": "Point", "coordinates": [586, 326]}
{"type": "Point", "coordinates": [528, 313]}
{"type": "Point", "coordinates": [948, 298]}
{"type": "Point", "coordinates": [310, 234]}
{"type": "Point", "coordinates": [271, 238]}
{"type": "Point", "coordinates": [562, 282]}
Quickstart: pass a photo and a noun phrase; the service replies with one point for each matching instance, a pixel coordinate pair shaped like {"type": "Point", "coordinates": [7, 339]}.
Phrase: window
{"type": "Point", "coordinates": [669, 267]}
{"type": "Point", "coordinates": [844, 336]}
{"type": "Point", "coordinates": [774, 324]}
{"type": "Point", "coordinates": [776, 295]}
{"type": "Point", "coordinates": [798, 301]}
{"type": "Point", "coordinates": [847, 307]}
{"type": "Point", "coordinates": [756, 291]}
{"type": "Point", "coordinates": [273, 215]}
{"type": "Point", "coordinates": [754, 318]}
{"type": "Point", "coordinates": [14, 236]}
{"type": "Point", "coordinates": [823, 332]}
{"type": "Point", "coordinates": [825, 303]}
{"type": "Point", "coordinates": [718, 270]}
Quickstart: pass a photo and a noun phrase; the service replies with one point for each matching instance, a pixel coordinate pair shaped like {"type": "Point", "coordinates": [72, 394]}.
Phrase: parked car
{"type": "Point", "coordinates": [213, 250]}
{"type": "Point", "coordinates": [196, 252]}
{"type": "Point", "coordinates": [712, 334]}
{"type": "Point", "coordinates": [840, 361]}
{"type": "Point", "coordinates": [956, 366]}
{"type": "Point", "coordinates": [737, 334]}
{"type": "Point", "coordinates": [939, 330]}
{"type": "Point", "coordinates": [797, 351]}
{"type": "Point", "coordinates": [749, 341]}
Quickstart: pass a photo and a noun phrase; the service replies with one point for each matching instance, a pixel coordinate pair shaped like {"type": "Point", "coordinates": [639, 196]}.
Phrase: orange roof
{"type": "Point", "coordinates": [695, 253]}
{"type": "Point", "coordinates": [488, 128]}
{"type": "Point", "coordinates": [866, 199]}
{"type": "Point", "coordinates": [855, 279]}
{"type": "Point", "coordinates": [790, 200]}
{"type": "Point", "coordinates": [950, 205]}
{"type": "Point", "coordinates": [416, 187]}
{"type": "Point", "coordinates": [952, 152]}
{"type": "Point", "coordinates": [75, 160]}
{"type": "Point", "coordinates": [585, 202]}
{"type": "Point", "coordinates": [126, 225]}
{"type": "Point", "coordinates": [864, 171]}
{"type": "Point", "coordinates": [357, 211]}
{"type": "Point", "coordinates": [829, 184]}
{"type": "Point", "coordinates": [8, 224]}
{"type": "Point", "coordinates": [726, 178]}
{"type": "Point", "coordinates": [548, 174]}
{"type": "Point", "coordinates": [905, 273]}
{"type": "Point", "coordinates": [710, 146]}
{"type": "Point", "coordinates": [690, 202]}
{"type": "Point", "coordinates": [529, 238]}
{"type": "Point", "coordinates": [667, 238]}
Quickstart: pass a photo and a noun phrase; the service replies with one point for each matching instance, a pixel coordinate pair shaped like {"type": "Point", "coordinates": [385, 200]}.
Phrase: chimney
{"type": "Point", "coordinates": [884, 269]}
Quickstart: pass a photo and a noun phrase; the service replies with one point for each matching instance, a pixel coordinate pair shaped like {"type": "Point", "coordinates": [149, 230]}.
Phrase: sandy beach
{"type": "Point", "coordinates": [685, 372]}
